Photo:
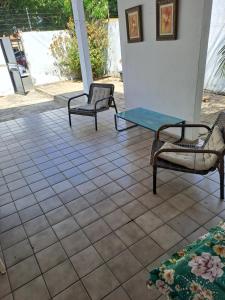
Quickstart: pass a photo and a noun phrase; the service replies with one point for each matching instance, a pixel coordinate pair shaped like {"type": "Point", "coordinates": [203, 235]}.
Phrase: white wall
{"type": "Point", "coordinates": [167, 76]}
{"type": "Point", "coordinates": [42, 64]}
{"type": "Point", "coordinates": [213, 81]}
{"type": "Point", "coordinates": [114, 48]}
{"type": "Point", "coordinates": [6, 87]}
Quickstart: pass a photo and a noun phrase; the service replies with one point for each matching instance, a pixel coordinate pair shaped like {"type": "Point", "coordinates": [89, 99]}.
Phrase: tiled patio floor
{"type": "Point", "coordinates": [78, 219]}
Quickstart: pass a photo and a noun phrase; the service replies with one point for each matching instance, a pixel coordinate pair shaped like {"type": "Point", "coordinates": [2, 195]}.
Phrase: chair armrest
{"type": "Point", "coordinates": [156, 155]}
{"type": "Point", "coordinates": [96, 103]}
{"type": "Point", "coordinates": [181, 126]}
{"type": "Point", "coordinates": [75, 97]}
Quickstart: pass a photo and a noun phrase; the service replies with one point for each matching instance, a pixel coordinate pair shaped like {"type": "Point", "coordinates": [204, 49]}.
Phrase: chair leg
{"type": "Point", "coordinates": [154, 179]}
{"type": "Point", "coordinates": [96, 123]}
{"type": "Point", "coordinates": [221, 172]}
{"type": "Point", "coordinates": [115, 107]}
{"type": "Point", "coordinates": [70, 120]}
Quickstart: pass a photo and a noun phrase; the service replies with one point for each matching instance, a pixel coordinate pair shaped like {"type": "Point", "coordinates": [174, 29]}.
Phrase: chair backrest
{"type": "Point", "coordinates": [99, 91]}
{"type": "Point", "coordinates": [220, 122]}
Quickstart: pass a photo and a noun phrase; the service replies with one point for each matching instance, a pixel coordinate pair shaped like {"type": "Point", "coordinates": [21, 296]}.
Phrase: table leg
{"type": "Point", "coordinates": [183, 131]}
{"type": "Point", "coordinates": [123, 129]}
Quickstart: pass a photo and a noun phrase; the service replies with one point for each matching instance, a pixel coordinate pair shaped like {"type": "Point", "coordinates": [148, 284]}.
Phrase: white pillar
{"type": "Point", "coordinates": [81, 31]}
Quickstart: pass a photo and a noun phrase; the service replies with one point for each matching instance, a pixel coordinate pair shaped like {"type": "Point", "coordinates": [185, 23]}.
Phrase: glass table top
{"type": "Point", "coordinates": [147, 118]}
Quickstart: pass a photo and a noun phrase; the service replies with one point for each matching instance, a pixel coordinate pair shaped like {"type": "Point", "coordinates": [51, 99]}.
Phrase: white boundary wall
{"type": "Point", "coordinates": [114, 48]}
{"type": "Point", "coordinates": [6, 87]}
{"type": "Point", "coordinates": [42, 64]}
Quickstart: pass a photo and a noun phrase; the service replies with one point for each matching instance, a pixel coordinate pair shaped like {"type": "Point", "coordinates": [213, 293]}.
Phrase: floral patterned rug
{"type": "Point", "coordinates": [195, 273]}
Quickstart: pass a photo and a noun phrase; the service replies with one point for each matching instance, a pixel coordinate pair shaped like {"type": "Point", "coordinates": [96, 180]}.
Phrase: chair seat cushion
{"type": "Point", "coordinates": [196, 272]}
{"type": "Point", "coordinates": [88, 108]}
{"type": "Point", "coordinates": [196, 161]}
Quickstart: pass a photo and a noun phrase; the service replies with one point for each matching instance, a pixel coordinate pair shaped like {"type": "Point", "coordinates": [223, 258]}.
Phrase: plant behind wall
{"type": "Point", "coordinates": [64, 48]}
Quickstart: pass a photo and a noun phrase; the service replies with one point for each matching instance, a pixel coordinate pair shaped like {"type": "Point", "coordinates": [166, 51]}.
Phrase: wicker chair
{"type": "Point", "coordinates": [100, 98]}
{"type": "Point", "coordinates": [157, 162]}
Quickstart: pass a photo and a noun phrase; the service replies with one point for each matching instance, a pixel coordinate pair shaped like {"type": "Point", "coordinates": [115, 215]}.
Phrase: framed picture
{"type": "Point", "coordinates": [167, 19]}
{"type": "Point", "coordinates": [134, 24]}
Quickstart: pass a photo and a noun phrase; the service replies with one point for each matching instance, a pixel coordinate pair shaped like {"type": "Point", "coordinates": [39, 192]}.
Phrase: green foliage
{"type": "Point", "coordinates": [113, 10]}
{"type": "Point", "coordinates": [97, 9]}
{"type": "Point", "coordinates": [50, 14]}
{"type": "Point", "coordinates": [65, 50]}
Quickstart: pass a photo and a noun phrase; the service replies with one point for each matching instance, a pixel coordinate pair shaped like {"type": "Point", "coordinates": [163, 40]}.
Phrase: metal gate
{"type": "Point", "coordinates": [10, 59]}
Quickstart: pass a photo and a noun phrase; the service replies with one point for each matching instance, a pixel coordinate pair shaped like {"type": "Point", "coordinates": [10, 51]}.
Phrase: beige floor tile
{"type": "Point", "coordinates": [118, 294]}
{"type": "Point", "coordinates": [137, 190]}
{"type": "Point", "coordinates": [35, 290]}
{"type": "Point", "coordinates": [97, 230]}
{"type": "Point", "coordinates": [50, 257]}
{"type": "Point", "coordinates": [124, 266]}
{"type": "Point", "coordinates": [109, 246]}
{"type": "Point", "coordinates": [195, 193]}
{"type": "Point", "coordinates": [4, 286]}
{"type": "Point", "coordinates": [105, 207]}
{"type": "Point", "coordinates": [122, 198]}
{"type": "Point", "coordinates": [213, 222]}
{"type": "Point", "coordinates": [86, 261]}
{"type": "Point", "coordinates": [130, 233]}
{"type": "Point", "coordinates": [75, 242]}
{"type": "Point", "coordinates": [17, 253]}
{"type": "Point", "coordinates": [136, 288]}
{"type": "Point", "coordinates": [196, 234]}
{"type": "Point", "coordinates": [165, 211]}
{"type": "Point", "coordinates": [199, 213]}
{"type": "Point", "coordinates": [75, 291]}
{"type": "Point", "coordinates": [146, 250]}
{"type": "Point", "coordinates": [100, 282]}
{"type": "Point", "coordinates": [23, 272]}
{"type": "Point", "coordinates": [150, 200]}
{"type": "Point", "coordinates": [87, 216]}
{"type": "Point", "coordinates": [134, 209]}
{"type": "Point", "coordinates": [65, 228]}
{"type": "Point", "coordinates": [214, 204]}
{"type": "Point", "coordinates": [60, 277]}
{"type": "Point", "coordinates": [43, 239]}
{"type": "Point", "coordinates": [181, 202]}
{"type": "Point", "coordinates": [208, 185]}
{"type": "Point", "coordinates": [183, 224]}
{"type": "Point", "coordinates": [148, 222]}
{"type": "Point", "coordinates": [166, 237]}
{"type": "Point", "coordinates": [116, 219]}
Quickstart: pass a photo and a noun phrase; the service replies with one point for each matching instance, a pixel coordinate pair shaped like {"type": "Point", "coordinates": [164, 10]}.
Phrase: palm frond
{"type": "Point", "coordinates": [221, 62]}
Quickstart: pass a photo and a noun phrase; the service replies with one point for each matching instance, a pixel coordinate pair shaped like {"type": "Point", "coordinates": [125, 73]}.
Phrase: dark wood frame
{"type": "Point", "coordinates": [175, 20]}
{"type": "Point", "coordinates": [137, 9]}
{"type": "Point", "coordinates": [157, 162]}
{"type": "Point", "coordinates": [92, 113]}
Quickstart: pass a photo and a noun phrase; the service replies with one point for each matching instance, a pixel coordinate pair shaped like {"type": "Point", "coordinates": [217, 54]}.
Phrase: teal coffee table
{"type": "Point", "coordinates": [146, 118]}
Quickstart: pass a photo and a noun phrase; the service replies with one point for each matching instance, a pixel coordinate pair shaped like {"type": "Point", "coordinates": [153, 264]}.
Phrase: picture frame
{"type": "Point", "coordinates": [166, 20]}
{"type": "Point", "coordinates": [134, 24]}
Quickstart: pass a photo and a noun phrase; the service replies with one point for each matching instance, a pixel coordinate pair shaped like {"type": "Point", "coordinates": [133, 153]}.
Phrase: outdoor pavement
{"type": "Point", "coordinates": [49, 97]}
{"type": "Point", "coordinates": [54, 96]}
{"type": "Point", "coordinates": [78, 219]}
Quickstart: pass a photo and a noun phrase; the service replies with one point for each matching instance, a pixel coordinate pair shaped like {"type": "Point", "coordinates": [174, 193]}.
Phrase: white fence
{"type": "Point", "coordinates": [42, 65]}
